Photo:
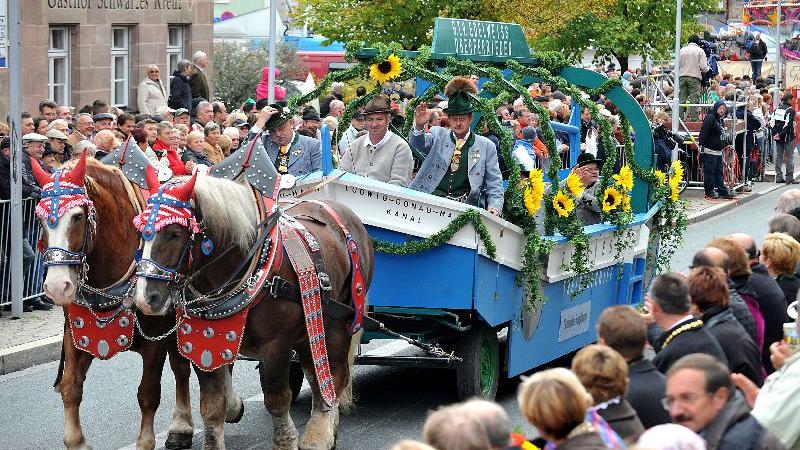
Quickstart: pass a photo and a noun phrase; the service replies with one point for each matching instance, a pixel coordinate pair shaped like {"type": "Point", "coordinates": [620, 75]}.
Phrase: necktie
{"type": "Point", "coordinates": [454, 162]}
{"type": "Point", "coordinates": [283, 161]}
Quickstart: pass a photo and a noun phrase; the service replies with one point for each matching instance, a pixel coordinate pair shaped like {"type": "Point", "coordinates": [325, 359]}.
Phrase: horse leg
{"type": "Point", "coordinates": [153, 356]}
{"type": "Point", "coordinates": [76, 364]}
{"type": "Point", "coordinates": [322, 427]}
{"type": "Point", "coordinates": [276, 359]}
{"type": "Point", "coordinates": [181, 431]}
{"type": "Point", "coordinates": [234, 406]}
{"type": "Point", "coordinates": [212, 406]}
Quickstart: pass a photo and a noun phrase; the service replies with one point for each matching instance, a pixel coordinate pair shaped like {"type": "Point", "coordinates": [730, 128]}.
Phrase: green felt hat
{"type": "Point", "coordinates": [284, 115]}
{"type": "Point", "coordinates": [458, 92]}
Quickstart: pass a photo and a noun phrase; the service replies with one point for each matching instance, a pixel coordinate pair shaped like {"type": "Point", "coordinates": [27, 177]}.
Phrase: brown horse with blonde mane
{"type": "Point", "coordinates": [227, 214]}
{"type": "Point", "coordinates": [97, 228]}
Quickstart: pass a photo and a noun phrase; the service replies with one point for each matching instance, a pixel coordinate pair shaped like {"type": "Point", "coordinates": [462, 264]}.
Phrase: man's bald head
{"type": "Point", "coordinates": [748, 244]}
{"type": "Point", "coordinates": [711, 257]}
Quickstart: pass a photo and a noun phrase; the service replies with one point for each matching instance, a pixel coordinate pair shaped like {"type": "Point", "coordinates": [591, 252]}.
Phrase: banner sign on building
{"type": "Point", "coordinates": [478, 40]}
{"type": "Point", "coordinates": [3, 34]}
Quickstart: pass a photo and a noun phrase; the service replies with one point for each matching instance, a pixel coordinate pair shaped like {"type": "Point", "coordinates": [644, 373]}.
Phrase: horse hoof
{"type": "Point", "coordinates": [238, 417]}
{"type": "Point", "coordinates": [177, 440]}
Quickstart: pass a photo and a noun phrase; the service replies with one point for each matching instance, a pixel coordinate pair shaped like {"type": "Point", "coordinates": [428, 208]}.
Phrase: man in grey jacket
{"type": "Point", "coordinates": [379, 154]}
{"type": "Point", "coordinates": [291, 152]}
{"type": "Point", "coordinates": [459, 164]}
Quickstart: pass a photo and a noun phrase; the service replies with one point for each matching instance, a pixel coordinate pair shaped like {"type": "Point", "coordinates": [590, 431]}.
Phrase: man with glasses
{"type": "Point", "coordinates": [588, 170]}
{"type": "Point", "coordinates": [701, 397]}
{"type": "Point", "coordinates": [84, 128]}
{"type": "Point", "coordinates": [667, 307]}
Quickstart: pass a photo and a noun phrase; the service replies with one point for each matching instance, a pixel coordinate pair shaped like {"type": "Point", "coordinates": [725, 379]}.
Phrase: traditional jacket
{"type": "Point", "coordinates": [349, 136]}
{"type": "Point", "coordinates": [304, 156]}
{"type": "Point", "coordinates": [390, 161]}
{"type": "Point", "coordinates": [483, 167]}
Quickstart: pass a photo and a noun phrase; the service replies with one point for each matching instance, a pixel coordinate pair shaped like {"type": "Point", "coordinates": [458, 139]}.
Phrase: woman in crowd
{"type": "Point", "coordinates": [555, 402]}
{"type": "Point", "coordinates": [195, 149]}
{"type": "Point", "coordinates": [181, 131]}
{"type": "Point", "coordinates": [708, 290]}
{"type": "Point", "coordinates": [780, 254]}
{"type": "Point", "coordinates": [604, 373]}
{"type": "Point", "coordinates": [233, 134]}
{"type": "Point", "coordinates": [151, 95]}
{"type": "Point", "coordinates": [211, 146]}
{"type": "Point", "coordinates": [40, 125]}
{"type": "Point", "coordinates": [225, 144]}
{"type": "Point", "coordinates": [180, 93]}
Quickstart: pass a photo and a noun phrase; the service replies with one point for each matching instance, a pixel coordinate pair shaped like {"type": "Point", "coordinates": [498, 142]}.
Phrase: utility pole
{"type": "Point", "coordinates": [273, 35]}
{"type": "Point", "coordinates": [676, 100]}
{"type": "Point", "coordinates": [16, 154]}
{"type": "Point", "coordinates": [778, 57]}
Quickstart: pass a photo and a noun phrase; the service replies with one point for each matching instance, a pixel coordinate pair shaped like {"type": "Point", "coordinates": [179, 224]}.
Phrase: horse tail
{"type": "Point", "coordinates": [347, 398]}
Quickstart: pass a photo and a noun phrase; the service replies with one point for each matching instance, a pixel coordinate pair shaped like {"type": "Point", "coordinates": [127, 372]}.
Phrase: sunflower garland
{"type": "Point", "coordinates": [386, 70]}
{"type": "Point", "coordinates": [611, 199]}
{"type": "Point", "coordinates": [574, 184]}
{"type": "Point", "coordinates": [563, 204]}
{"type": "Point", "coordinates": [534, 192]}
{"type": "Point", "coordinates": [624, 179]}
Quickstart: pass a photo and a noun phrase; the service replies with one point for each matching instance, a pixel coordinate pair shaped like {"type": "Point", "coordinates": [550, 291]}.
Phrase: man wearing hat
{"type": "Point", "coordinates": [379, 154]}
{"type": "Point", "coordinates": [104, 121]}
{"type": "Point", "coordinates": [459, 164]}
{"type": "Point", "coordinates": [182, 116]}
{"type": "Point", "coordinates": [243, 127]}
{"type": "Point", "coordinates": [530, 152]}
{"type": "Point", "coordinates": [587, 207]}
{"type": "Point", "coordinates": [291, 152]}
{"type": "Point", "coordinates": [311, 122]}
{"type": "Point", "coordinates": [357, 128]}
{"type": "Point", "coordinates": [166, 112]}
{"type": "Point", "coordinates": [58, 145]}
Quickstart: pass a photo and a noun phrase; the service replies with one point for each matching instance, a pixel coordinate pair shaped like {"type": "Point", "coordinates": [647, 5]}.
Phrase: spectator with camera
{"type": "Point", "coordinates": [713, 140]}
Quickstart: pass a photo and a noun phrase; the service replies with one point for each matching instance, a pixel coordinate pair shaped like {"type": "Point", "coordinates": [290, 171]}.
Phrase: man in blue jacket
{"type": "Point", "coordinates": [459, 164]}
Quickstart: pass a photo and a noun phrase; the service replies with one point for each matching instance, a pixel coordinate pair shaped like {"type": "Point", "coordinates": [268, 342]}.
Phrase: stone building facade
{"type": "Point", "coordinates": [77, 51]}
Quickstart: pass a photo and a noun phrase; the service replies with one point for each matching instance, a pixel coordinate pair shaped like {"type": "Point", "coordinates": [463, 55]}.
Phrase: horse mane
{"type": "Point", "coordinates": [228, 211]}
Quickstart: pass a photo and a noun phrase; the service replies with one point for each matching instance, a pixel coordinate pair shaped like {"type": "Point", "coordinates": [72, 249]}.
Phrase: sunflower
{"type": "Point", "coordinates": [386, 70]}
{"type": "Point", "coordinates": [626, 203]}
{"type": "Point", "coordinates": [625, 178]}
{"type": "Point", "coordinates": [674, 194]}
{"type": "Point", "coordinates": [611, 199]}
{"type": "Point", "coordinates": [660, 176]}
{"type": "Point", "coordinates": [534, 192]}
{"type": "Point", "coordinates": [563, 204]}
{"type": "Point", "coordinates": [677, 171]}
{"type": "Point", "coordinates": [574, 185]}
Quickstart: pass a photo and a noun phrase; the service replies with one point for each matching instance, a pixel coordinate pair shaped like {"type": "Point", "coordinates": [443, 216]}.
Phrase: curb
{"type": "Point", "coordinates": [729, 205]}
{"type": "Point", "coordinates": [30, 354]}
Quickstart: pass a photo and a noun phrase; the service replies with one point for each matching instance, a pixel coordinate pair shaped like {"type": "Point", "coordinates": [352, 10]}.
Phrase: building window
{"type": "Point", "coordinates": [120, 51]}
{"type": "Point", "coordinates": [175, 37]}
{"type": "Point", "coordinates": [58, 68]}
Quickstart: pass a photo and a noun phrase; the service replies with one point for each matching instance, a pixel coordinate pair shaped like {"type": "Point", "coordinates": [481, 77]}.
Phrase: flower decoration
{"type": "Point", "coordinates": [386, 70]}
{"type": "Point", "coordinates": [677, 170]}
{"type": "Point", "coordinates": [534, 192]}
{"type": "Point", "coordinates": [624, 179]}
{"type": "Point", "coordinates": [674, 193]}
{"type": "Point", "coordinates": [626, 203]}
{"type": "Point", "coordinates": [563, 204]}
{"type": "Point", "coordinates": [660, 176]}
{"type": "Point", "coordinates": [612, 198]}
{"type": "Point", "coordinates": [675, 180]}
{"type": "Point", "coordinates": [573, 183]}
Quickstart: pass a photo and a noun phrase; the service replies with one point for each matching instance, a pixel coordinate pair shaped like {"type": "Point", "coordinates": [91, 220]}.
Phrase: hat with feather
{"type": "Point", "coordinates": [458, 92]}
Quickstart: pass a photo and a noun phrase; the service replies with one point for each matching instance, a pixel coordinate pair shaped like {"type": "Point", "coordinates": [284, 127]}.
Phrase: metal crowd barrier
{"type": "Point", "coordinates": [34, 273]}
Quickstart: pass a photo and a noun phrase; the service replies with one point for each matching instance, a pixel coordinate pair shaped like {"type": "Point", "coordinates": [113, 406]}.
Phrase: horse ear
{"type": "Point", "coordinates": [184, 192]}
{"type": "Point", "coordinates": [152, 180]}
{"type": "Point", "coordinates": [42, 177]}
{"type": "Point", "coordinates": [76, 175]}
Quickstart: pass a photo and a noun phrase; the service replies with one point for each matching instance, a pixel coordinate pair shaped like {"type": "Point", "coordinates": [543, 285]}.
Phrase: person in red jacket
{"type": "Point", "coordinates": [164, 147]}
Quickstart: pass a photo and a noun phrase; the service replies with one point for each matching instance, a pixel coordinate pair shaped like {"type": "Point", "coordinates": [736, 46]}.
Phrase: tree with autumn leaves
{"type": "Point", "coordinates": [617, 28]}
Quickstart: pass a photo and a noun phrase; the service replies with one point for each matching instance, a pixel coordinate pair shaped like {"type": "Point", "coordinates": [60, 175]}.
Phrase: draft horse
{"type": "Point", "coordinates": [177, 266]}
{"type": "Point", "coordinates": [87, 241]}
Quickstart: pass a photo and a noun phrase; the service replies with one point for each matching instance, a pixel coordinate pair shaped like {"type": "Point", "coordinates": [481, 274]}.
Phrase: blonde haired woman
{"type": "Point", "coordinates": [780, 254]}
{"type": "Point", "coordinates": [151, 94]}
{"type": "Point", "coordinates": [555, 402]}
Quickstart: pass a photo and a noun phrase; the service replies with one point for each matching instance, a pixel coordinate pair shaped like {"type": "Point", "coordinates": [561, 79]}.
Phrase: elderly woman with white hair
{"type": "Point", "coordinates": [151, 94]}
{"type": "Point", "coordinates": [233, 135]}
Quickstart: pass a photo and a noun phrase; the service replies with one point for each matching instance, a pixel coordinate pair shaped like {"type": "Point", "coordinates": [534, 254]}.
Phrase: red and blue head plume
{"type": "Point", "coordinates": [170, 203]}
{"type": "Point", "coordinates": [61, 191]}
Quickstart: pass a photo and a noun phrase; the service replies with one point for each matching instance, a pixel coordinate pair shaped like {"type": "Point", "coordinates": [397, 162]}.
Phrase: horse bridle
{"type": "Point", "coordinates": [57, 256]}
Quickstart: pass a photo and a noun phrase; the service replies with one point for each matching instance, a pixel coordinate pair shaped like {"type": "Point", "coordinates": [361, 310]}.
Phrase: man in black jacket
{"type": "Point", "coordinates": [668, 304]}
{"type": "Point", "coordinates": [758, 53]}
{"type": "Point", "coordinates": [701, 397]}
{"type": "Point", "coordinates": [712, 143]}
{"type": "Point", "coordinates": [770, 297]}
{"type": "Point", "coordinates": [621, 328]}
{"type": "Point", "coordinates": [784, 139]}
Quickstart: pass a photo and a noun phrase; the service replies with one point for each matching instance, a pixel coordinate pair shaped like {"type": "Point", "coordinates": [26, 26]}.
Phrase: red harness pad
{"type": "Point", "coordinates": [92, 334]}
{"type": "Point", "coordinates": [210, 344]}
{"type": "Point", "coordinates": [308, 279]}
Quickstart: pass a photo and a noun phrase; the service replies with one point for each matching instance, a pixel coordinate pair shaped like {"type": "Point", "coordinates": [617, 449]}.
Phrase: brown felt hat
{"type": "Point", "coordinates": [378, 104]}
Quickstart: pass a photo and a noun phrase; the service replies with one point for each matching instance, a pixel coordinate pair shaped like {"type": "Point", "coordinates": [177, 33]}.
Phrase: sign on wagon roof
{"type": "Point", "coordinates": [478, 40]}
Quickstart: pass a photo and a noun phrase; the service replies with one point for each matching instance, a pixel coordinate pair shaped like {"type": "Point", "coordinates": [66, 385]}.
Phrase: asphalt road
{"type": "Point", "coordinates": [392, 403]}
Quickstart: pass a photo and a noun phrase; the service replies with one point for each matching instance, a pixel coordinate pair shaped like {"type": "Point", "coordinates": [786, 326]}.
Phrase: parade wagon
{"type": "Point", "coordinates": [493, 298]}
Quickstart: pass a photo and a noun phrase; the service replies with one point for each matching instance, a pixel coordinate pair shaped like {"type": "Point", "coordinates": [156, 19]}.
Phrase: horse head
{"type": "Point", "coordinates": [168, 228]}
{"type": "Point", "coordinates": [68, 219]}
